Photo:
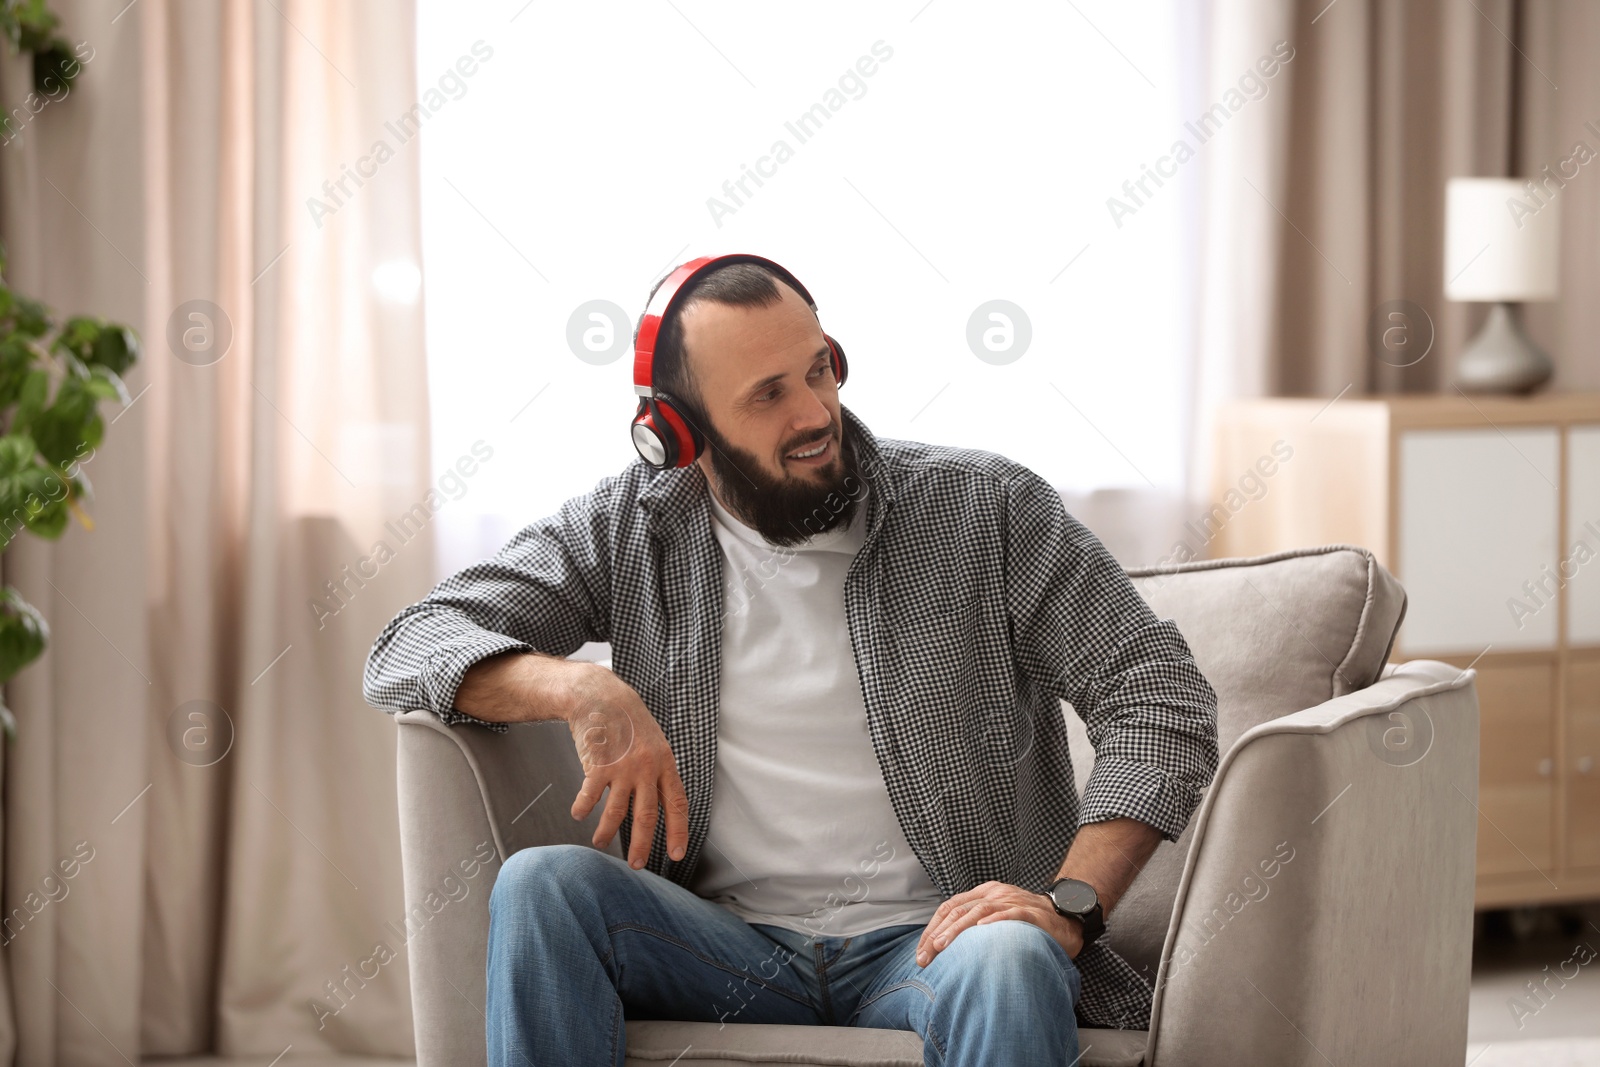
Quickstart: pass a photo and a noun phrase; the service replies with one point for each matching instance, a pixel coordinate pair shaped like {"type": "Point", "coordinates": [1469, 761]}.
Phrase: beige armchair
{"type": "Point", "coordinates": [1318, 908]}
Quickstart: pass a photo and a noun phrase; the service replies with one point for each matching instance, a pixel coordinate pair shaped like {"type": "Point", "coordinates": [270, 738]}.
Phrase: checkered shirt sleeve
{"type": "Point", "coordinates": [547, 590]}
{"type": "Point", "coordinates": [1085, 635]}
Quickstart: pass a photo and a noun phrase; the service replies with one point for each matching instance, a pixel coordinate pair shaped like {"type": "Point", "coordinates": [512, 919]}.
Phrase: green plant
{"type": "Point", "coordinates": [30, 26]}
{"type": "Point", "coordinates": [52, 379]}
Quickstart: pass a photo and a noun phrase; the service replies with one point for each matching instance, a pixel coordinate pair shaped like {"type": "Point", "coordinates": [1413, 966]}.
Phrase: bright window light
{"type": "Point", "coordinates": [938, 174]}
{"type": "Point", "coordinates": [397, 280]}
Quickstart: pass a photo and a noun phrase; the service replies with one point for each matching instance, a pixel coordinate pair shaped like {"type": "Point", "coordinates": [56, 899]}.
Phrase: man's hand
{"type": "Point", "coordinates": [619, 742]}
{"type": "Point", "coordinates": [992, 901]}
{"type": "Point", "coordinates": [622, 749]}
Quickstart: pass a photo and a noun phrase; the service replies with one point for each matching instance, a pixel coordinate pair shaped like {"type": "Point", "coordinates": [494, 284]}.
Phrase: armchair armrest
{"type": "Point", "coordinates": [469, 798]}
{"type": "Point", "coordinates": [1325, 908]}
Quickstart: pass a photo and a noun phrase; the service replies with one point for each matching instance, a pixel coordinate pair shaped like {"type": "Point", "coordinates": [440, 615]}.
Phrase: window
{"type": "Point", "coordinates": [910, 163]}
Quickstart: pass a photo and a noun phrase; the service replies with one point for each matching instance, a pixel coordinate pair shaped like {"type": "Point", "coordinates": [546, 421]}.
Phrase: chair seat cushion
{"type": "Point", "coordinates": [684, 1044]}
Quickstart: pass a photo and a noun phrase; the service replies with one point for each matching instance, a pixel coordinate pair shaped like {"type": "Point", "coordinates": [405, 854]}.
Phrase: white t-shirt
{"type": "Point", "coordinates": [802, 832]}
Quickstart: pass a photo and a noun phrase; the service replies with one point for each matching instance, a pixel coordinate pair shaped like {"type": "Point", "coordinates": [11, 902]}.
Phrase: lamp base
{"type": "Point", "coordinates": [1501, 359]}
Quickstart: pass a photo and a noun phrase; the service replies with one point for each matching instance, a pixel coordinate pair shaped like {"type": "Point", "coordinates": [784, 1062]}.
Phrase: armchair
{"type": "Point", "coordinates": [1318, 908]}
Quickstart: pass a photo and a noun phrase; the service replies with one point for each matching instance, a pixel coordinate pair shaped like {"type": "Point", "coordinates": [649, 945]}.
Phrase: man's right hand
{"type": "Point", "coordinates": [622, 749]}
{"type": "Point", "coordinates": [619, 742]}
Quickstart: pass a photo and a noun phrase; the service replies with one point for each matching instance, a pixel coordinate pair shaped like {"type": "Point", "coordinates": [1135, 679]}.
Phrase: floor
{"type": "Point", "coordinates": [286, 1061]}
{"type": "Point", "coordinates": [1507, 1025]}
{"type": "Point", "coordinates": [1556, 1024]}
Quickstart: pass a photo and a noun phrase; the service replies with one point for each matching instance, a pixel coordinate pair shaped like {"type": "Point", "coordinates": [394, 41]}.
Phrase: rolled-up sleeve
{"type": "Point", "coordinates": [1084, 634]}
{"type": "Point", "coordinates": [547, 590]}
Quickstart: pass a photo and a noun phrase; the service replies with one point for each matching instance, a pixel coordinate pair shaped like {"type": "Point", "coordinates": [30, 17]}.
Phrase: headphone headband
{"type": "Point", "coordinates": [666, 295]}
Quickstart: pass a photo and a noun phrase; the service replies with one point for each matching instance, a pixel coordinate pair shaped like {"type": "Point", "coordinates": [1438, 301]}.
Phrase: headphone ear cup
{"type": "Point", "coordinates": [841, 367]}
{"type": "Point", "coordinates": [684, 440]}
{"type": "Point", "coordinates": [654, 447]}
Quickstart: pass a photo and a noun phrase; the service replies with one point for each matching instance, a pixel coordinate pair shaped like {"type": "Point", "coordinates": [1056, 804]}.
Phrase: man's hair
{"type": "Point", "coordinates": [745, 285]}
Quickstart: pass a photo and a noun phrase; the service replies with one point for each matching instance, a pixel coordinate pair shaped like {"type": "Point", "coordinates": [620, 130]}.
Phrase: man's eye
{"type": "Point", "coordinates": [821, 368]}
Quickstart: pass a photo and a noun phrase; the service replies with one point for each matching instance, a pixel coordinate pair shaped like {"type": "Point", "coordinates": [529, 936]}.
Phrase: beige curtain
{"type": "Point", "coordinates": [1330, 201]}
{"type": "Point", "coordinates": [1560, 108]}
{"type": "Point", "coordinates": [198, 720]}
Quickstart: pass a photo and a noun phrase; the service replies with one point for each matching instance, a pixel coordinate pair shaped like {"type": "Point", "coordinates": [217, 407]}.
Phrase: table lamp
{"type": "Point", "coordinates": [1501, 242]}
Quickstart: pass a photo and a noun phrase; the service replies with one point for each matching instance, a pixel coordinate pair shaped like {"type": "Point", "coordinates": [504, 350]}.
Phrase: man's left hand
{"type": "Point", "coordinates": [990, 902]}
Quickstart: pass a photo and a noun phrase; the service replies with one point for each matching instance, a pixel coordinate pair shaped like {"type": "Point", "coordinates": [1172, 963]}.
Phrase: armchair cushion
{"type": "Point", "coordinates": [656, 1042]}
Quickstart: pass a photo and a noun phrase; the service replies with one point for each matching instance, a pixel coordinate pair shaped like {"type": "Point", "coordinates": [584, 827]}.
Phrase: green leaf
{"type": "Point", "coordinates": [16, 453]}
{"type": "Point", "coordinates": [54, 68]}
{"type": "Point", "coordinates": [71, 426]}
{"type": "Point", "coordinates": [31, 318]}
{"type": "Point", "coordinates": [23, 634]}
{"type": "Point", "coordinates": [51, 521]}
{"type": "Point", "coordinates": [63, 439]}
{"type": "Point", "coordinates": [105, 384]}
{"type": "Point", "coordinates": [115, 347]}
{"type": "Point", "coordinates": [93, 340]}
{"type": "Point", "coordinates": [77, 335]}
{"type": "Point", "coordinates": [30, 399]}
{"type": "Point", "coordinates": [35, 499]}
{"type": "Point", "coordinates": [35, 23]}
{"type": "Point", "coordinates": [16, 360]}
{"type": "Point", "coordinates": [20, 478]}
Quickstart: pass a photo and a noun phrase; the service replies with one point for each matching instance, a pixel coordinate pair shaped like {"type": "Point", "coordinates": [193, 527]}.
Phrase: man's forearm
{"type": "Point", "coordinates": [1109, 855]}
{"type": "Point", "coordinates": [518, 687]}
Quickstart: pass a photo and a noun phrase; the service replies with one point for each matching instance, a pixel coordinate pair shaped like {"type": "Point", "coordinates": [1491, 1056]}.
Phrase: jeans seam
{"type": "Point", "coordinates": [720, 965]}
{"type": "Point", "coordinates": [907, 983]}
{"type": "Point", "coordinates": [822, 983]}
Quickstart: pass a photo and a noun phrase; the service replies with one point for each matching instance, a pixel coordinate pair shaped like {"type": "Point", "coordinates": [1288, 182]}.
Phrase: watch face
{"type": "Point", "coordinates": [1074, 896]}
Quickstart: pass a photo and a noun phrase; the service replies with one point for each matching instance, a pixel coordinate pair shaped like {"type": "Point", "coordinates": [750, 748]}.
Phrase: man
{"type": "Point", "coordinates": [831, 739]}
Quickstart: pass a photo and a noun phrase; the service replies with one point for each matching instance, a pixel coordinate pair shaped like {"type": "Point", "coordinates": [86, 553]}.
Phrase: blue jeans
{"type": "Point", "coordinates": [579, 942]}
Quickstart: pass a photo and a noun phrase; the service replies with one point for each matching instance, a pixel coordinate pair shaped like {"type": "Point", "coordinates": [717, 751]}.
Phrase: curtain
{"type": "Point", "coordinates": [1334, 205]}
{"type": "Point", "coordinates": [1559, 110]}
{"type": "Point", "coordinates": [198, 719]}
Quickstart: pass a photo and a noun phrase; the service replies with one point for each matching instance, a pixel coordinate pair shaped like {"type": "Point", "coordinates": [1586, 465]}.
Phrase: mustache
{"type": "Point", "coordinates": [809, 444]}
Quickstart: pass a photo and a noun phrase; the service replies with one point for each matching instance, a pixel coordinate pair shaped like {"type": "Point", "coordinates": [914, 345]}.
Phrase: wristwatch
{"type": "Point", "coordinates": [1078, 900]}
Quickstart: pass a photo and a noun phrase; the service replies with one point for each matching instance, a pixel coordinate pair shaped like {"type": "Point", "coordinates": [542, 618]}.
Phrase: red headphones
{"type": "Point", "coordinates": [663, 436]}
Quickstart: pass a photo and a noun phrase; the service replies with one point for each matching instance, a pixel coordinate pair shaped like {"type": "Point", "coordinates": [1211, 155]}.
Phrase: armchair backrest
{"type": "Point", "coordinates": [1274, 635]}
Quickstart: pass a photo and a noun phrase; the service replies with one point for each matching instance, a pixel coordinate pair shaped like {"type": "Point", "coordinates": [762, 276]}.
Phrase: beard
{"type": "Point", "coordinates": [789, 510]}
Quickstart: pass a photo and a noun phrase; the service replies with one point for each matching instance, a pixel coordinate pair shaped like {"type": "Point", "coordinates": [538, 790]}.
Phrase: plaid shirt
{"type": "Point", "coordinates": [975, 605]}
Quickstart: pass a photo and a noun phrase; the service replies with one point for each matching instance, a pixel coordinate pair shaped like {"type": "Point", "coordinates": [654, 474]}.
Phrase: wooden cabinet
{"type": "Point", "coordinates": [1488, 511]}
{"type": "Point", "coordinates": [1516, 765]}
{"type": "Point", "coordinates": [1583, 779]}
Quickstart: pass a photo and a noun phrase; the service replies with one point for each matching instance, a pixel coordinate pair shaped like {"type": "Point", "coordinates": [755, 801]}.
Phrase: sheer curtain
{"type": "Point", "coordinates": [914, 164]}
{"type": "Point", "coordinates": [273, 873]}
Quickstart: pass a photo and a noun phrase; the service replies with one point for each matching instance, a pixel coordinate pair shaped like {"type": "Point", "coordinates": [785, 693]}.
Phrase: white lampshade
{"type": "Point", "coordinates": [1500, 242]}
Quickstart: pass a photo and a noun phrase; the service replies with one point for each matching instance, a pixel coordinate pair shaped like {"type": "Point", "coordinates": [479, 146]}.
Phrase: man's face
{"type": "Point", "coordinates": [766, 381]}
